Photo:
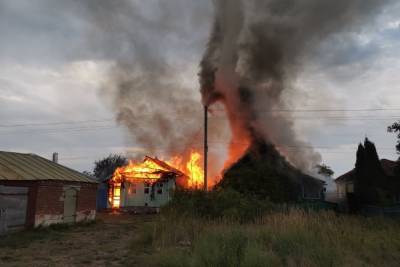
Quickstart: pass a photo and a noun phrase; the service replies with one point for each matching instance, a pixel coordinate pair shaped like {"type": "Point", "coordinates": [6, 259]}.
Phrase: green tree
{"type": "Point", "coordinates": [105, 167]}
{"type": "Point", "coordinates": [325, 170]}
{"type": "Point", "coordinates": [371, 184]}
{"type": "Point", "coordinates": [395, 128]}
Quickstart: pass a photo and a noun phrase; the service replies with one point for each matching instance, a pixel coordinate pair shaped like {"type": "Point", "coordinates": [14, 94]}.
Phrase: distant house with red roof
{"type": "Point", "coordinates": [346, 182]}
{"type": "Point", "coordinates": [373, 186]}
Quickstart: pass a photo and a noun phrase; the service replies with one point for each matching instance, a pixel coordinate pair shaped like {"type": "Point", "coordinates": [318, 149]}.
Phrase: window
{"type": "Point", "coordinates": [132, 189]}
{"type": "Point", "coordinates": [159, 191]}
{"type": "Point", "coordinates": [146, 188]}
{"type": "Point", "coordinates": [350, 188]}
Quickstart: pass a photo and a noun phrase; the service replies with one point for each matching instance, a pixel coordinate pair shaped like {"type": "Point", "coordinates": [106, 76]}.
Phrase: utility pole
{"type": "Point", "coordinates": [205, 146]}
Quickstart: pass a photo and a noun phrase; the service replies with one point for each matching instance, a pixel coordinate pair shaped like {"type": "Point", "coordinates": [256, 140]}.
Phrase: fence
{"type": "Point", "coordinates": [13, 205]}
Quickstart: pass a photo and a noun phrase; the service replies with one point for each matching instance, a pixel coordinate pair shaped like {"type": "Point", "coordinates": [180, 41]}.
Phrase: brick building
{"type": "Point", "coordinates": [36, 192]}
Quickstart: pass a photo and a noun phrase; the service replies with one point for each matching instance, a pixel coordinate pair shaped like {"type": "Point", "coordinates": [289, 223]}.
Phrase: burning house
{"type": "Point", "coordinates": [151, 183]}
{"type": "Point", "coordinates": [37, 192]}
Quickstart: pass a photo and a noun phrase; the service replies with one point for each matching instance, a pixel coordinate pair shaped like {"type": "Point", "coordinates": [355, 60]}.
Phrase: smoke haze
{"type": "Point", "coordinates": [255, 51]}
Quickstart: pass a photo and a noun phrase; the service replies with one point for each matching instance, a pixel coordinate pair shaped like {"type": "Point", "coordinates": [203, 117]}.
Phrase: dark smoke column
{"type": "Point", "coordinates": [255, 50]}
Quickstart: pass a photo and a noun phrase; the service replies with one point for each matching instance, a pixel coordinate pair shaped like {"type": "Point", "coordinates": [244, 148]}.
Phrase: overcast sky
{"type": "Point", "coordinates": [53, 65]}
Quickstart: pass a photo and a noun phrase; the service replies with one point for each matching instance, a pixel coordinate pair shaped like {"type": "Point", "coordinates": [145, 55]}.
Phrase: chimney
{"type": "Point", "coordinates": [55, 157]}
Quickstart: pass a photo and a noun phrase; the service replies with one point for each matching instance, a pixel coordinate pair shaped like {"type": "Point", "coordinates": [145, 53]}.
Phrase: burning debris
{"type": "Point", "coordinates": [151, 182]}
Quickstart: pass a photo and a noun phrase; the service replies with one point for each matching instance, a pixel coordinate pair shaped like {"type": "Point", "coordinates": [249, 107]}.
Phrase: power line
{"type": "Point", "coordinates": [63, 130]}
{"type": "Point", "coordinates": [319, 110]}
{"type": "Point", "coordinates": [52, 123]}
{"type": "Point", "coordinates": [181, 114]}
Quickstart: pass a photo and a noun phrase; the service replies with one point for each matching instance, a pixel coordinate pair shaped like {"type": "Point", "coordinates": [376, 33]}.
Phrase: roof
{"type": "Point", "coordinates": [163, 168]}
{"type": "Point", "coordinates": [31, 167]}
{"type": "Point", "coordinates": [388, 167]}
{"type": "Point", "coordinates": [166, 166]}
{"type": "Point", "coordinates": [348, 176]}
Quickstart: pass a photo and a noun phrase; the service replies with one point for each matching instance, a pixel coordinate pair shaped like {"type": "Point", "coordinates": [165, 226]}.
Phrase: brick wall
{"type": "Point", "coordinates": [50, 202]}
{"type": "Point", "coordinates": [49, 198]}
{"type": "Point", "coordinates": [87, 197]}
{"type": "Point", "coordinates": [46, 201]}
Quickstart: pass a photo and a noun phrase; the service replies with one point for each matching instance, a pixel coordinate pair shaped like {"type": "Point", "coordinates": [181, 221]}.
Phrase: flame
{"type": "Point", "coordinates": [192, 168]}
{"type": "Point", "coordinates": [151, 170]}
{"type": "Point", "coordinates": [146, 170]}
{"type": "Point", "coordinates": [196, 172]}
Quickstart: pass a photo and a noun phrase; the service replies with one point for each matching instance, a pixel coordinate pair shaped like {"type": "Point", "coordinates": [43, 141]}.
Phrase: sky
{"type": "Point", "coordinates": [55, 64]}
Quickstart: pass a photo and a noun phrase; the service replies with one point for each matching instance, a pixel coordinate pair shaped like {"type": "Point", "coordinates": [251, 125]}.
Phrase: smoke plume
{"type": "Point", "coordinates": [146, 86]}
{"type": "Point", "coordinates": [255, 50]}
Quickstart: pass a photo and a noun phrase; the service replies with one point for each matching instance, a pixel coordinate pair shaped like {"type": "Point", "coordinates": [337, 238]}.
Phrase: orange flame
{"type": "Point", "coordinates": [196, 172]}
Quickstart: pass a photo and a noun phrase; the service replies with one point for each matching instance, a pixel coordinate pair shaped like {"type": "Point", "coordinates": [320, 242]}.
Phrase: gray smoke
{"type": "Point", "coordinates": [255, 51]}
{"type": "Point", "coordinates": [146, 85]}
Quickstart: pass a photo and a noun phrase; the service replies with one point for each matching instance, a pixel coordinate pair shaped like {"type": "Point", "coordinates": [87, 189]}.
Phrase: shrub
{"type": "Point", "coordinates": [222, 204]}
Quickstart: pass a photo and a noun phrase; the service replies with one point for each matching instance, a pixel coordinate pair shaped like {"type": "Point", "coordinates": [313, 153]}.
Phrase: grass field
{"type": "Point", "coordinates": [295, 238]}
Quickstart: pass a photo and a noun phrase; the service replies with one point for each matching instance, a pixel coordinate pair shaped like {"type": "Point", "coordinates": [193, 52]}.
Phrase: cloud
{"type": "Point", "coordinates": [54, 59]}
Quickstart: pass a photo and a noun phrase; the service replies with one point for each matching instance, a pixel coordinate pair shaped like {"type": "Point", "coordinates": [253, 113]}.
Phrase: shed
{"type": "Point", "coordinates": [37, 192]}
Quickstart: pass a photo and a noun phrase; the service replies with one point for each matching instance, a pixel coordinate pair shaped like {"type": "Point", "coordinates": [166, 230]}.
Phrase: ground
{"type": "Point", "coordinates": [103, 243]}
{"type": "Point", "coordinates": [291, 237]}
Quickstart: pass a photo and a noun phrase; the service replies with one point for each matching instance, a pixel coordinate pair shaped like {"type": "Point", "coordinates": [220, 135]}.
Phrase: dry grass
{"type": "Point", "coordinates": [104, 243]}
{"type": "Point", "coordinates": [296, 238]}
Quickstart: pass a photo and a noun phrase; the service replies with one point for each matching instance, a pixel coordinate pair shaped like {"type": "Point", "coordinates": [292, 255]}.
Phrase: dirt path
{"type": "Point", "coordinates": [105, 243]}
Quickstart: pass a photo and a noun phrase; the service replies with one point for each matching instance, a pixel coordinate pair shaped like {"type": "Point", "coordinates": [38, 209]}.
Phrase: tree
{"type": "Point", "coordinates": [325, 170]}
{"type": "Point", "coordinates": [88, 173]}
{"type": "Point", "coordinates": [370, 180]}
{"type": "Point", "coordinates": [106, 167]}
{"type": "Point", "coordinates": [395, 128]}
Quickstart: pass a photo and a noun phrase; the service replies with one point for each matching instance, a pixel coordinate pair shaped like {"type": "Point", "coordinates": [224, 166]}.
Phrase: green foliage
{"type": "Point", "coordinates": [105, 167]}
{"type": "Point", "coordinates": [395, 128]}
{"type": "Point", "coordinates": [260, 179]}
{"type": "Point", "coordinates": [226, 203]}
{"type": "Point", "coordinates": [294, 238]}
{"type": "Point", "coordinates": [371, 183]}
{"type": "Point", "coordinates": [325, 170]}
{"type": "Point", "coordinates": [144, 239]}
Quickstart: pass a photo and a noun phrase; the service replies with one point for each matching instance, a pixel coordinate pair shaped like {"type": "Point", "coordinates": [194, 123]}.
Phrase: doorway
{"type": "Point", "coordinates": [70, 195]}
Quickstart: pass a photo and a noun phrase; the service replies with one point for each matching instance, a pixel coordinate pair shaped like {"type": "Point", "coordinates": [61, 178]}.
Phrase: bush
{"type": "Point", "coordinates": [218, 204]}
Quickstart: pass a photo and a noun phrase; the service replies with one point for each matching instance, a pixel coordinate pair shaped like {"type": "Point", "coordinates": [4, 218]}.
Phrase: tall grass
{"type": "Point", "coordinates": [294, 238]}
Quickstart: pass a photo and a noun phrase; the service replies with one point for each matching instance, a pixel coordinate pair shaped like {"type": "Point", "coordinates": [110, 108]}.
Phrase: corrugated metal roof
{"type": "Point", "coordinates": [31, 167]}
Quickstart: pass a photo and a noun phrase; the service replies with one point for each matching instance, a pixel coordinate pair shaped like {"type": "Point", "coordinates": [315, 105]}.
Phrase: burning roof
{"type": "Point", "coordinates": [150, 170]}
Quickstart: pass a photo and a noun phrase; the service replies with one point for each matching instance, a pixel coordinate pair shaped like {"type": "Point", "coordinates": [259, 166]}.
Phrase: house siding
{"type": "Point", "coordinates": [133, 194]}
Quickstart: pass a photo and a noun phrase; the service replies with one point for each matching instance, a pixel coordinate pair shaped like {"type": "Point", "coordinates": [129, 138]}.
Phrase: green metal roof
{"type": "Point", "coordinates": [31, 167]}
